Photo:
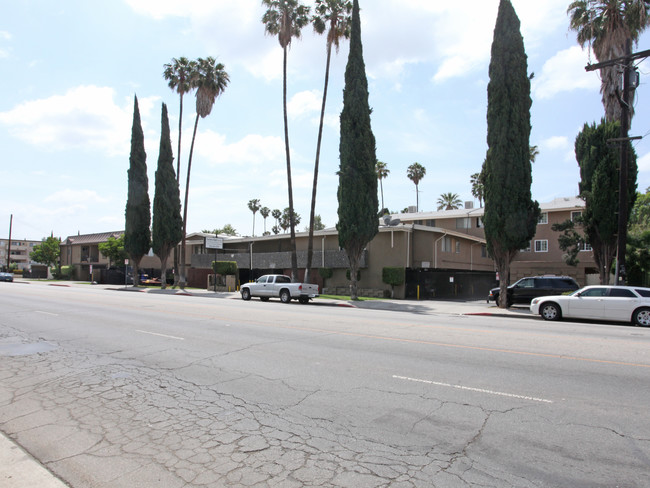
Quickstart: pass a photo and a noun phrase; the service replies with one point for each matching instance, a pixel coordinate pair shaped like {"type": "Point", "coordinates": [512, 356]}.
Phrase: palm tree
{"type": "Point", "coordinates": [335, 17]}
{"type": "Point", "coordinates": [534, 152]}
{"type": "Point", "coordinates": [382, 173]}
{"type": "Point", "coordinates": [607, 26]}
{"type": "Point", "coordinates": [477, 187]}
{"type": "Point", "coordinates": [449, 201]}
{"type": "Point", "coordinates": [254, 206]}
{"type": "Point", "coordinates": [285, 18]}
{"type": "Point", "coordinates": [415, 173]}
{"type": "Point", "coordinates": [276, 214]}
{"type": "Point", "coordinates": [178, 74]}
{"type": "Point", "coordinates": [265, 212]}
{"type": "Point", "coordinates": [210, 80]}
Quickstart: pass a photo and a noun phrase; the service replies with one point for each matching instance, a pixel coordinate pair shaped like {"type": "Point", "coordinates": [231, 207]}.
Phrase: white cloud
{"type": "Point", "coordinates": [305, 103]}
{"type": "Point", "coordinates": [86, 117]}
{"type": "Point", "coordinates": [643, 163]}
{"type": "Point", "coordinates": [565, 72]}
{"type": "Point", "coordinates": [555, 143]}
{"type": "Point", "coordinates": [69, 197]}
{"type": "Point", "coordinates": [253, 149]}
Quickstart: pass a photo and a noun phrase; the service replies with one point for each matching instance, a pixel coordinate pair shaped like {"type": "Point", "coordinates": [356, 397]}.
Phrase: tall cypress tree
{"type": "Point", "coordinates": [357, 192]}
{"type": "Point", "coordinates": [167, 228]}
{"type": "Point", "coordinates": [137, 236]}
{"type": "Point", "coordinates": [599, 186]}
{"type": "Point", "coordinates": [510, 213]}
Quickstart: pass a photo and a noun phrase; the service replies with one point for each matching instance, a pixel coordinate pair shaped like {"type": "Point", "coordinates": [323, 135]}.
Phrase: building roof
{"type": "Point", "coordinates": [555, 205]}
{"type": "Point", "coordinates": [91, 238]}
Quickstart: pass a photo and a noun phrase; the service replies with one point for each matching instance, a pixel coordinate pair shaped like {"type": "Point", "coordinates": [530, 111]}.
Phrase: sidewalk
{"type": "Point", "coordinates": [18, 469]}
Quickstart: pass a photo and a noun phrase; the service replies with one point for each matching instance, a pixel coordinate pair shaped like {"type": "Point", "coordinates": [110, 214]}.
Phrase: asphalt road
{"type": "Point", "coordinates": [115, 389]}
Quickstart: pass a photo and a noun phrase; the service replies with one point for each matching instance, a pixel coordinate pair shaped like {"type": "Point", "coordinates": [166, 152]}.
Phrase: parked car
{"type": "Point", "coordinates": [6, 276]}
{"type": "Point", "coordinates": [278, 286]}
{"type": "Point", "coordinates": [608, 303]}
{"type": "Point", "coordinates": [524, 290]}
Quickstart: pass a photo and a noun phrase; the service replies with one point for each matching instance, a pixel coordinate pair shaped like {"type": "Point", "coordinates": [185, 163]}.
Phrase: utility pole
{"type": "Point", "coordinates": [11, 221]}
{"type": "Point", "coordinates": [624, 100]}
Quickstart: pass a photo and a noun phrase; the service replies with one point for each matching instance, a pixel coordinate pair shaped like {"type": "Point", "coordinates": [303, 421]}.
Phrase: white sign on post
{"type": "Point", "coordinates": [214, 243]}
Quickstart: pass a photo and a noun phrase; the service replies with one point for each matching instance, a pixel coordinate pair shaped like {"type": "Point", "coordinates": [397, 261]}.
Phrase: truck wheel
{"type": "Point", "coordinates": [285, 296]}
{"type": "Point", "coordinates": [246, 294]}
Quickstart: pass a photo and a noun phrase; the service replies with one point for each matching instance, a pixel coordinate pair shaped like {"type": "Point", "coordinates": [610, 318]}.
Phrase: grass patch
{"type": "Point", "coordinates": [346, 298]}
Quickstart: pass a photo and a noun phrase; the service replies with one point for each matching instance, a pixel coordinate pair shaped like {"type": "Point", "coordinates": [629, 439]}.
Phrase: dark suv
{"type": "Point", "coordinates": [524, 290]}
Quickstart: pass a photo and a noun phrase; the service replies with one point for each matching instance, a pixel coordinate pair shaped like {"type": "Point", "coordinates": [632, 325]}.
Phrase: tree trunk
{"type": "Point", "coordinates": [292, 222]}
{"type": "Point", "coordinates": [178, 181]}
{"type": "Point", "coordinates": [182, 282]}
{"type": "Point", "coordinates": [312, 215]}
{"type": "Point", "coordinates": [354, 284]}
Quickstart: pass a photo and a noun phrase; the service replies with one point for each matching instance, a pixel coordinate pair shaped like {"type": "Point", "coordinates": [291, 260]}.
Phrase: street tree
{"type": "Point", "coordinates": [382, 173]}
{"type": "Point", "coordinates": [599, 161]}
{"type": "Point", "coordinates": [357, 192]}
{"type": "Point", "coordinates": [449, 201]}
{"type": "Point", "coordinates": [113, 249]}
{"type": "Point", "coordinates": [210, 80]}
{"type": "Point", "coordinates": [510, 214]}
{"type": "Point", "coordinates": [333, 17]}
{"type": "Point", "coordinates": [607, 26]}
{"type": "Point", "coordinates": [254, 206]}
{"type": "Point", "coordinates": [167, 226]}
{"type": "Point", "coordinates": [47, 252]}
{"type": "Point", "coordinates": [285, 19]}
{"type": "Point", "coordinates": [137, 235]}
{"type": "Point", "coordinates": [415, 173]}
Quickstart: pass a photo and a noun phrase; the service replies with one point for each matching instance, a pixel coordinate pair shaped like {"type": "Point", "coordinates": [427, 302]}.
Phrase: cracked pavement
{"type": "Point", "coordinates": [292, 409]}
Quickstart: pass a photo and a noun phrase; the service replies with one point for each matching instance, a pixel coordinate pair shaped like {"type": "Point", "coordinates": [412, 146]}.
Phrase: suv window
{"type": "Point", "coordinates": [262, 279]}
{"type": "Point", "coordinates": [283, 279]}
{"type": "Point", "coordinates": [564, 283]}
{"type": "Point", "coordinates": [642, 292]}
{"type": "Point", "coordinates": [526, 283]}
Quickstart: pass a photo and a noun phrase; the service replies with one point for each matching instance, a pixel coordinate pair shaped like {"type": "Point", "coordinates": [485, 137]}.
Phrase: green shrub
{"type": "Point", "coordinates": [63, 273]}
{"type": "Point", "coordinates": [393, 276]}
{"type": "Point", "coordinates": [224, 267]}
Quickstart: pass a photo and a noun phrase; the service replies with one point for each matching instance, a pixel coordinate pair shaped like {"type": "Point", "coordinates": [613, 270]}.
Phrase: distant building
{"type": "Point", "coordinates": [20, 250]}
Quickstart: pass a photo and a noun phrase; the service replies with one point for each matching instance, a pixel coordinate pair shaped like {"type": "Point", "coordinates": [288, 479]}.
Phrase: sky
{"type": "Point", "coordinates": [70, 71]}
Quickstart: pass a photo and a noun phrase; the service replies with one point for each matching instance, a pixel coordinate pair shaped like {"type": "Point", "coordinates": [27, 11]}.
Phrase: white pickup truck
{"type": "Point", "coordinates": [278, 286]}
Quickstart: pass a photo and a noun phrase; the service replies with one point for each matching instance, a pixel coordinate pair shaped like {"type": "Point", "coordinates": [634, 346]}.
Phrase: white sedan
{"type": "Point", "coordinates": [609, 303]}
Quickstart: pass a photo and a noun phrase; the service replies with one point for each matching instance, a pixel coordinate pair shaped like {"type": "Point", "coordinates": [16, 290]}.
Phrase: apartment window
{"type": "Point", "coordinates": [464, 223]}
{"type": "Point", "coordinates": [541, 245]}
{"type": "Point", "coordinates": [428, 222]}
{"type": "Point", "coordinates": [584, 246]}
{"type": "Point", "coordinates": [446, 244]}
{"type": "Point", "coordinates": [575, 215]}
{"type": "Point", "coordinates": [457, 247]}
{"type": "Point", "coordinates": [484, 253]}
{"type": "Point", "coordinates": [543, 218]}
{"type": "Point", "coordinates": [479, 223]}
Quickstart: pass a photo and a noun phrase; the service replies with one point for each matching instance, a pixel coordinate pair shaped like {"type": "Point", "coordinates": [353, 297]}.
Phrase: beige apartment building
{"type": "Point", "coordinates": [20, 250]}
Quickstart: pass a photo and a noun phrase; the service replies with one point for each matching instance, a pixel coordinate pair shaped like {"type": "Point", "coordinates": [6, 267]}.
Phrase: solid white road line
{"type": "Point", "coordinates": [478, 390]}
